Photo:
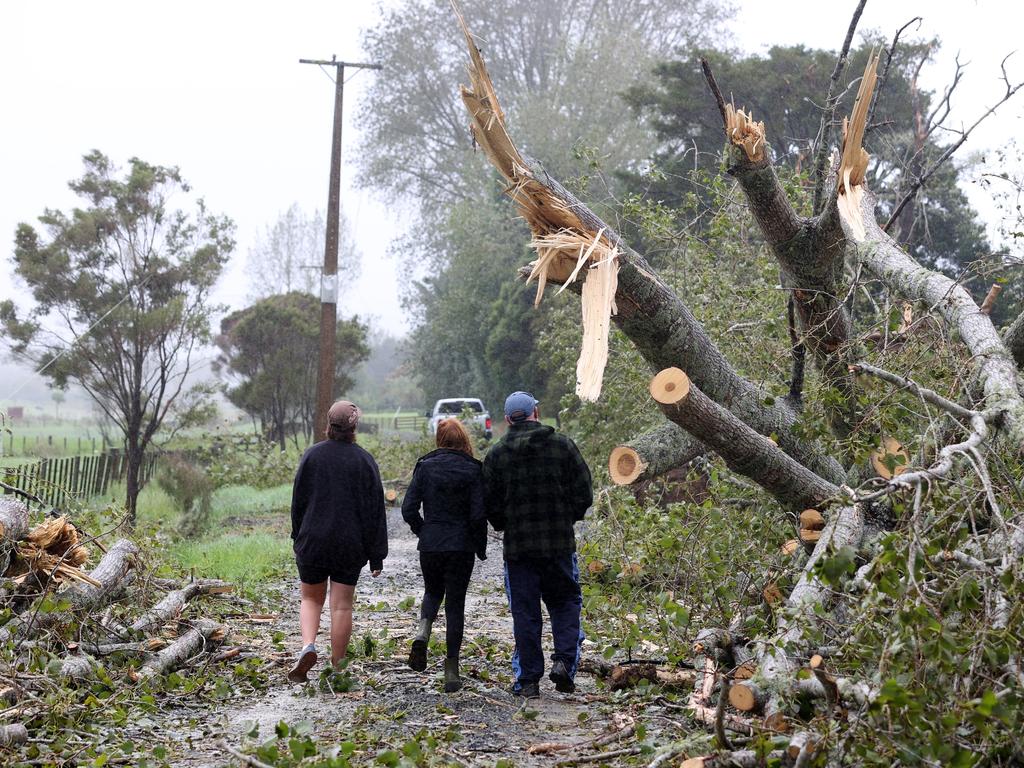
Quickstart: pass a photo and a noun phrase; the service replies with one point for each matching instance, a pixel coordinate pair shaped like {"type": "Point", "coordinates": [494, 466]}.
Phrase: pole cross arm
{"type": "Point", "coordinates": [335, 63]}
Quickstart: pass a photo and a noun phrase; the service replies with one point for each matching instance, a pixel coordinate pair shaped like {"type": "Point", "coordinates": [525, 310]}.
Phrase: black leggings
{"type": "Point", "coordinates": [446, 577]}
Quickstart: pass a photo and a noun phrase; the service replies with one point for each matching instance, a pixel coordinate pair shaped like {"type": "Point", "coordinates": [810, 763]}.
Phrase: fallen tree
{"type": "Point", "coordinates": [854, 495]}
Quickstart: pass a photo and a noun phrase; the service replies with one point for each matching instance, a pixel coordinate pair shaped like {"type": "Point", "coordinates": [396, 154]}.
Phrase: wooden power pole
{"type": "Point", "coordinates": [329, 276]}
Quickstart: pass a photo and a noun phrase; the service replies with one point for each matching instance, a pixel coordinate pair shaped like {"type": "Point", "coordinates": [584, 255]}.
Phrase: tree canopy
{"type": "Point", "coordinates": [270, 350]}
{"type": "Point", "coordinates": [121, 289]}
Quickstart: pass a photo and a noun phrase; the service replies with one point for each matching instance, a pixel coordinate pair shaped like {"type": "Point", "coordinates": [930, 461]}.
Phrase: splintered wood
{"type": "Point", "coordinates": [744, 132]}
{"type": "Point", "coordinates": [51, 548]}
{"type": "Point", "coordinates": [565, 246]}
{"type": "Point", "coordinates": [854, 163]}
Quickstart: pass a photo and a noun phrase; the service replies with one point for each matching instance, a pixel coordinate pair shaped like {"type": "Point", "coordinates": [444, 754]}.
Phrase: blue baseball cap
{"type": "Point", "coordinates": [519, 406]}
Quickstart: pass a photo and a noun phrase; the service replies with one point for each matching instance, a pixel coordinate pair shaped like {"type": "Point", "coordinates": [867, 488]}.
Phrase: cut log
{"type": "Point", "coordinates": [390, 495]}
{"type": "Point", "coordinates": [812, 519]}
{"type": "Point", "coordinates": [629, 675]}
{"type": "Point", "coordinates": [745, 671]}
{"type": "Point", "coordinates": [653, 453]}
{"type": "Point", "coordinates": [13, 528]}
{"type": "Point", "coordinates": [744, 450]}
{"type": "Point", "coordinates": [171, 606]}
{"type": "Point", "coordinates": [790, 547]}
{"type": "Point", "coordinates": [804, 741]}
{"type": "Point", "coordinates": [185, 647]}
{"type": "Point", "coordinates": [747, 696]}
{"type": "Point", "coordinates": [808, 536]}
{"type": "Point", "coordinates": [15, 733]}
{"type": "Point", "coordinates": [890, 459]}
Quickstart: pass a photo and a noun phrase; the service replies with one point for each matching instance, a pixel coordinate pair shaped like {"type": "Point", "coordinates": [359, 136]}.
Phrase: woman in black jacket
{"type": "Point", "coordinates": [448, 483]}
{"type": "Point", "coordinates": [338, 525]}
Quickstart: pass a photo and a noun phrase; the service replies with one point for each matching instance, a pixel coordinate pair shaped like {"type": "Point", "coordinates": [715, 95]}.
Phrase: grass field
{"type": "Point", "coordinates": [245, 541]}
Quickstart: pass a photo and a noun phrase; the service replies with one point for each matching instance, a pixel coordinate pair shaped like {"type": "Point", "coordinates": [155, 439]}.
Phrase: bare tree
{"type": "Point", "coordinates": [289, 255]}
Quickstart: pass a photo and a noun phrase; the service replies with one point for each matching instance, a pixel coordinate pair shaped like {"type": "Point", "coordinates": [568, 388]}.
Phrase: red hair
{"type": "Point", "coordinates": [452, 434]}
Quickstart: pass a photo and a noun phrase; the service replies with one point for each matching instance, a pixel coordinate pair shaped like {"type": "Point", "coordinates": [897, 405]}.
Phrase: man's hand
{"type": "Point", "coordinates": [375, 574]}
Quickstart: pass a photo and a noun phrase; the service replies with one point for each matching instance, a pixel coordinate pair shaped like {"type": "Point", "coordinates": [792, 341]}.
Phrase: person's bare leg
{"type": "Point", "coordinates": [341, 619]}
{"type": "Point", "coordinates": [312, 605]}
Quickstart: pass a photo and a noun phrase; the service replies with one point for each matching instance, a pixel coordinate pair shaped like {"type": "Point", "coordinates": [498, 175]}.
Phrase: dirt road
{"type": "Point", "coordinates": [390, 703]}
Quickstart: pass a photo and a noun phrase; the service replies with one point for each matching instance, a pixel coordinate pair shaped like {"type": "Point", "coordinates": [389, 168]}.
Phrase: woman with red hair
{"type": "Point", "coordinates": [448, 483]}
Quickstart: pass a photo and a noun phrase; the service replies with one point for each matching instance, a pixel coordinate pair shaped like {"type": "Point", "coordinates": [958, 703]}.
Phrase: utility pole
{"type": "Point", "coordinates": [329, 276]}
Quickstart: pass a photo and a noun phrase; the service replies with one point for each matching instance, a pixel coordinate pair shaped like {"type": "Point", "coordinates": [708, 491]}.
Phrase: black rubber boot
{"type": "Point", "coordinates": [560, 677]}
{"type": "Point", "coordinates": [418, 652]}
{"type": "Point", "coordinates": [452, 681]}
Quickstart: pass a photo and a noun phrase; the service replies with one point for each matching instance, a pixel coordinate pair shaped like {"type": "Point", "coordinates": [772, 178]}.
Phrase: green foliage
{"type": "Point", "coordinates": [783, 88]}
{"type": "Point", "coordinates": [232, 460]}
{"type": "Point", "coordinates": [191, 489]}
{"type": "Point", "coordinates": [129, 278]}
{"type": "Point", "coordinates": [271, 350]}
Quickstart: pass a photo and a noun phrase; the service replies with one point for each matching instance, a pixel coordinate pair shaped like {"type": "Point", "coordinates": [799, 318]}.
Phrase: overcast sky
{"type": "Point", "coordinates": [215, 88]}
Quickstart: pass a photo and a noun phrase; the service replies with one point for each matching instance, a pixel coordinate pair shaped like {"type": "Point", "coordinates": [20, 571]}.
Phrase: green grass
{"type": "Point", "coordinates": [237, 558]}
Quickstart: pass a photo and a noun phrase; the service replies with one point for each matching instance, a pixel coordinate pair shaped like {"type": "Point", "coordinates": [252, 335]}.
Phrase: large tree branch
{"type": "Point", "coordinates": [901, 274]}
{"type": "Point", "coordinates": [648, 311]}
{"type": "Point", "coordinates": [653, 453]}
{"type": "Point", "coordinates": [744, 450]}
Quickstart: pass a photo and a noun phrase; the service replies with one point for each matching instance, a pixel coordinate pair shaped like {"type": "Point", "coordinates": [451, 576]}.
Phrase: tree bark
{"type": "Point", "coordinates": [1014, 340]}
{"type": "Point", "coordinates": [744, 450]}
{"type": "Point", "coordinates": [13, 528]}
{"type": "Point", "coordinates": [993, 365]}
{"type": "Point", "coordinates": [653, 453]}
{"type": "Point", "coordinates": [113, 572]}
{"type": "Point", "coordinates": [182, 649]}
{"type": "Point", "coordinates": [171, 606]}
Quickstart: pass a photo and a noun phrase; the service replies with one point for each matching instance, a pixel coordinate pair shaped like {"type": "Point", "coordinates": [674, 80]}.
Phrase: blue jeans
{"type": "Point", "coordinates": [556, 581]}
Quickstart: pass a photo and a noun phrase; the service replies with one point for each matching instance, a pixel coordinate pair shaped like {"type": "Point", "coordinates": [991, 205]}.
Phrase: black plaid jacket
{"type": "Point", "coordinates": [537, 486]}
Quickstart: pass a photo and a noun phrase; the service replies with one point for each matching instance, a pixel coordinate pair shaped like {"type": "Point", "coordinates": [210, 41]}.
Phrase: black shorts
{"type": "Point", "coordinates": [315, 574]}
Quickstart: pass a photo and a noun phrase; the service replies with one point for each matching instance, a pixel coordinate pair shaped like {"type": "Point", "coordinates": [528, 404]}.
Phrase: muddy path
{"type": "Point", "coordinates": [389, 703]}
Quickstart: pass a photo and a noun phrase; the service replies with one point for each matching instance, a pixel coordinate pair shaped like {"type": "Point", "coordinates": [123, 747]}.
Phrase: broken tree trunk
{"type": "Point", "coordinates": [13, 528]}
{"type": "Point", "coordinates": [653, 453]}
{"type": "Point", "coordinates": [112, 574]}
{"type": "Point", "coordinates": [660, 325]}
{"type": "Point", "coordinates": [810, 253]}
{"type": "Point", "coordinates": [744, 450]}
{"type": "Point", "coordinates": [185, 647]}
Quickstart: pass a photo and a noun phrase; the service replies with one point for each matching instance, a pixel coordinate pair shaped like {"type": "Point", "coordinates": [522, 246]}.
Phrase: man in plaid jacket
{"type": "Point", "coordinates": [537, 487]}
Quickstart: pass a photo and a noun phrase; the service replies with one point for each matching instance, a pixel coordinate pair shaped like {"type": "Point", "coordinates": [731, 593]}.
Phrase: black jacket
{"type": "Point", "coordinates": [450, 486]}
{"type": "Point", "coordinates": [538, 486]}
{"type": "Point", "coordinates": [338, 514]}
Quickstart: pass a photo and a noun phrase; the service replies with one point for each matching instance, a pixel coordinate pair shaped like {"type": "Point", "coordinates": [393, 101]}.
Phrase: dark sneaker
{"type": "Point", "coordinates": [560, 677]}
{"type": "Point", "coordinates": [527, 690]}
{"type": "Point", "coordinates": [305, 662]}
{"type": "Point", "coordinates": [418, 655]}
